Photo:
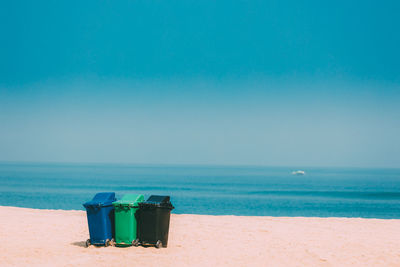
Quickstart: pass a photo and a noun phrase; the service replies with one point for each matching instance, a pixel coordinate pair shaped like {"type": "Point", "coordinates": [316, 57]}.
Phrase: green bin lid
{"type": "Point", "coordinates": [131, 200]}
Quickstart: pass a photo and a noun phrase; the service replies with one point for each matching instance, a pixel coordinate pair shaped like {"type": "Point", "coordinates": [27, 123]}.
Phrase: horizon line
{"type": "Point", "coordinates": [3, 162]}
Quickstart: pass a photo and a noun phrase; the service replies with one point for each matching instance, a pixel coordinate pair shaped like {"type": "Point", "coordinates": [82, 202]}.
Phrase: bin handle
{"type": "Point", "coordinates": [94, 207]}
{"type": "Point", "coordinates": [124, 207]}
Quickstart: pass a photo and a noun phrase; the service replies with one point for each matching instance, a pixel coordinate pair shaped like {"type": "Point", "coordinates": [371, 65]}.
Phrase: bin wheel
{"type": "Point", "coordinates": [135, 242]}
{"type": "Point", "coordinates": [87, 243]}
{"type": "Point", "coordinates": [107, 243]}
{"type": "Point", "coordinates": [159, 244]}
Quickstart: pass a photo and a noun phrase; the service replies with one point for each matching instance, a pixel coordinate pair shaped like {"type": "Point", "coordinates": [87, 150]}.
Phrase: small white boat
{"type": "Point", "coordinates": [299, 172]}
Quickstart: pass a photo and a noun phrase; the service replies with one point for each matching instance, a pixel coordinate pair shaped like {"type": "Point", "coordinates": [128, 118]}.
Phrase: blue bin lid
{"type": "Point", "coordinates": [101, 199]}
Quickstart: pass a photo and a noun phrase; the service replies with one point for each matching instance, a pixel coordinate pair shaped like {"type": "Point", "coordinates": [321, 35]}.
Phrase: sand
{"type": "Point", "coordinates": [30, 237]}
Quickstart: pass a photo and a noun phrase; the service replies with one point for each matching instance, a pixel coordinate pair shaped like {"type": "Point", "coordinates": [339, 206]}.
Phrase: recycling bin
{"type": "Point", "coordinates": [125, 220]}
{"type": "Point", "coordinates": [100, 217]}
{"type": "Point", "coordinates": [153, 221]}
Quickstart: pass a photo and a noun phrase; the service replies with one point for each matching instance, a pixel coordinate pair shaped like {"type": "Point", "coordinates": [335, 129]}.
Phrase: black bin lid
{"type": "Point", "coordinates": [157, 201]}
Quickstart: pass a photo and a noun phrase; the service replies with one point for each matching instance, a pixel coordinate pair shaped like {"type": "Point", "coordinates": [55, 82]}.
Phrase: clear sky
{"type": "Point", "coordinates": [292, 83]}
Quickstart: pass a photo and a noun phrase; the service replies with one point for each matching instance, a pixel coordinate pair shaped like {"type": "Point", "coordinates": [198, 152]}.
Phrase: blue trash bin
{"type": "Point", "coordinates": [100, 216]}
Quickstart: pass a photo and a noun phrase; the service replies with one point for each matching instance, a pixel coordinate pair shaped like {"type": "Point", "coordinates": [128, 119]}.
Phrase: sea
{"type": "Point", "coordinates": [212, 190]}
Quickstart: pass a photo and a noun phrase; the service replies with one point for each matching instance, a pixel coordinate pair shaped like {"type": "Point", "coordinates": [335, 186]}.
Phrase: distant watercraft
{"type": "Point", "coordinates": [298, 172]}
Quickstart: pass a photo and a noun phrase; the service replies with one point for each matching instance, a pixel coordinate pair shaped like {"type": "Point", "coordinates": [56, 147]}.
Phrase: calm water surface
{"type": "Point", "coordinates": [272, 191]}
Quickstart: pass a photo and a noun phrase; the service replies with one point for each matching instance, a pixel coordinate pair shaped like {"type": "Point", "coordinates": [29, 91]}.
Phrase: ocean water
{"type": "Point", "coordinates": [254, 191]}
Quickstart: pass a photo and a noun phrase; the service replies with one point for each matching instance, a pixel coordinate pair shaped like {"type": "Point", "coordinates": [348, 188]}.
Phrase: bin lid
{"type": "Point", "coordinates": [101, 199]}
{"type": "Point", "coordinates": [131, 200]}
{"type": "Point", "coordinates": [158, 201]}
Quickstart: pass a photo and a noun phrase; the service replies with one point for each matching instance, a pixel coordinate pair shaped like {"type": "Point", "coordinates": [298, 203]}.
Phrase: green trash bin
{"type": "Point", "coordinates": [125, 220]}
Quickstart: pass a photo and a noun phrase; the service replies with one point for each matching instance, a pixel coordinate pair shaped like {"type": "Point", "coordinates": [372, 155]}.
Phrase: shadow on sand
{"type": "Point", "coordinates": [79, 244]}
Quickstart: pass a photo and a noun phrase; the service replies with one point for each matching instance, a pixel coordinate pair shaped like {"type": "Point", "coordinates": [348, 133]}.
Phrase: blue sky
{"type": "Point", "coordinates": [201, 82]}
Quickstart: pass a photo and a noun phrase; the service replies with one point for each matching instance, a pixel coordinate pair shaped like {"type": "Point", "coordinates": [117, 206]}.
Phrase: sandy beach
{"type": "Point", "coordinates": [31, 237]}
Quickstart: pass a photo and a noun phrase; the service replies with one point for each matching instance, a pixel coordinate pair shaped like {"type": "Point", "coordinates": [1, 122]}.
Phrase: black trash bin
{"type": "Point", "coordinates": [153, 221]}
